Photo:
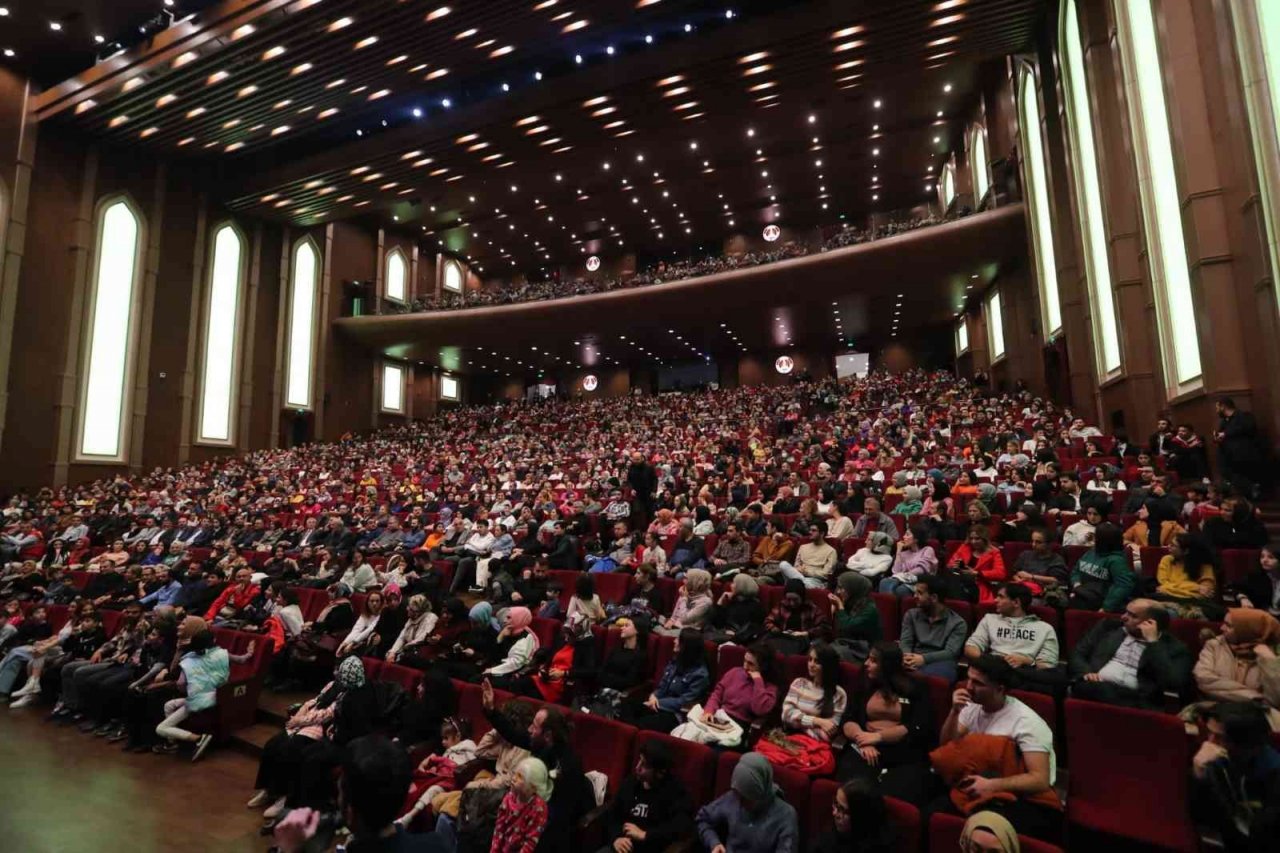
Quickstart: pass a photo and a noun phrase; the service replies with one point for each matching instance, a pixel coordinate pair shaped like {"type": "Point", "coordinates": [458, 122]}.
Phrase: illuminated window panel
{"type": "Point", "coordinates": [222, 316]}
{"type": "Point", "coordinates": [392, 388]}
{"type": "Point", "coordinates": [448, 387]}
{"type": "Point", "coordinates": [1037, 183]}
{"type": "Point", "coordinates": [397, 275]}
{"type": "Point", "coordinates": [302, 321]}
{"type": "Point", "coordinates": [1088, 192]}
{"type": "Point", "coordinates": [978, 163]}
{"type": "Point", "coordinates": [962, 336]}
{"type": "Point", "coordinates": [1158, 189]}
{"type": "Point", "coordinates": [995, 325]}
{"type": "Point", "coordinates": [1257, 31]}
{"type": "Point", "coordinates": [453, 277]}
{"type": "Point", "coordinates": [109, 364]}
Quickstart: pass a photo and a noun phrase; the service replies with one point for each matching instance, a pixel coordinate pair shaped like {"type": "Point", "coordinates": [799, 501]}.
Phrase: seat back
{"type": "Point", "coordinates": [406, 676]}
{"type": "Point", "coordinates": [603, 745]}
{"type": "Point", "coordinates": [1078, 623]}
{"type": "Point", "coordinates": [890, 615]}
{"type": "Point", "coordinates": [694, 763]}
{"type": "Point", "coordinates": [613, 587]}
{"type": "Point", "coordinates": [1116, 751]}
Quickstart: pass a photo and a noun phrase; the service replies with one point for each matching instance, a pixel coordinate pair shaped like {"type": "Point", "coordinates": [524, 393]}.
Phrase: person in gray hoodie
{"type": "Point", "coordinates": [1025, 641]}
{"type": "Point", "coordinates": [750, 817]}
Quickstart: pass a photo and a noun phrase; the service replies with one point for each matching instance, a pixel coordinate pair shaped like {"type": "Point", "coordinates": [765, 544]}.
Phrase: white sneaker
{"type": "Point", "coordinates": [24, 701]}
{"type": "Point", "coordinates": [274, 809]}
{"type": "Point", "coordinates": [201, 746]}
{"type": "Point", "coordinates": [32, 686]}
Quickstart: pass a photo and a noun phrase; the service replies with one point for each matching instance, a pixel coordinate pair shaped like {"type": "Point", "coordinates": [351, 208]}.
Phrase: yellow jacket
{"type": "Point", "coordinates": [1174, 580]}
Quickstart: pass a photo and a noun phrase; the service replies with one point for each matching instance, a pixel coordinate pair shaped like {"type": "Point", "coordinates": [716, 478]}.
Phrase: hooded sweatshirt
{"type": "Point", "coordinates": [770, 827]}
{"type": "Point", "coordinates": [1016, 635]}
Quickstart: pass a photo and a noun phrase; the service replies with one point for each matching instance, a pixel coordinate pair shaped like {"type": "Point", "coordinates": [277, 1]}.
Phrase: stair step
{"type": "Point", "coordinates": [253, 738]}
{"type": "Point", "coordinates": [274, 706]}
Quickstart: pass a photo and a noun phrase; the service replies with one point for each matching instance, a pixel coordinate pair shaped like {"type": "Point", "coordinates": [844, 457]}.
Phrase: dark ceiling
{"type": "Point", "coordinates": [53, 39]}
{"type": "Point", "coordinates": [843, 299]}
{"type": "Point", "coordinates": [683, 122]}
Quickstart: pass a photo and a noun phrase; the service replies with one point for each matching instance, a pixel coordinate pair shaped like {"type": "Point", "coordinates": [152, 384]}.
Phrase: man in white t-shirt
{"type": "Point", "coordinates": [982, 705]}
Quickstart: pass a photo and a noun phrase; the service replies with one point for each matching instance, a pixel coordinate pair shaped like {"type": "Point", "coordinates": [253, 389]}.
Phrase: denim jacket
{"type": "Point", "coordinates": [679, 690]}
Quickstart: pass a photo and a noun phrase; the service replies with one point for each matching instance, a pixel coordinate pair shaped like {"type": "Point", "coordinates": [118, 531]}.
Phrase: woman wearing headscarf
{"type": "Point", "coordinates": [280, 767]}
{"type": "Point", "coordinates": [516, 642]}
{"type": "Point", "coordinates": [1156, 526]}
{"type": "Point", "coordinates": [523, 814]}
{"type": "Point", "coordinates": [476, 649]}
{"type": "Point", "coordinates": [912, 501]}
{"type": "Point", "coordinates": [855, 617]}
{"type": "Point", "coordinates": [739, 614]}
{"type": "Point", "coordinates": [989, 831]}
{"type": "Point", "coordinates": [1240, 665]}
{"type": "Point", "coordinates": [875, 557]}
{"type": "Point", "coordinates": [418, 626]}
{"type": "Point", "coordinates": [750, 817]}
{"type": "Point", "coordinates": [899, 484]}
{"type": "Point", "coordinates": [693, 605]}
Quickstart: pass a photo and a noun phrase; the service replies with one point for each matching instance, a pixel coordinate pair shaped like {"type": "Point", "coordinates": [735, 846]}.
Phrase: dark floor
{"type": "Point", "coordinates": [64, 791]}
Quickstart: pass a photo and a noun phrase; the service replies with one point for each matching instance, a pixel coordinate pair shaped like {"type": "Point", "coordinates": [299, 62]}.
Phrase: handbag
{"type": "Point", "coordinates": [797, 752]}
{"type": "Point", "coordinates": [696, 729]}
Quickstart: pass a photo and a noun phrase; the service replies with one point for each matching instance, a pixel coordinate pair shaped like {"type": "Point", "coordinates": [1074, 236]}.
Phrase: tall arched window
{"type": "Point", "coordinates": [948, 185]}
{"type": "Point", "coordinates": [978, 164]}
{"type": "Point", "coordinates": [995, 326]}
{"type": "Point", "coordinates": [1158, 188]}
{"type": "Point", "coordinates": [111, 330]}
{"type": "Point", "coordinates": [302, 324]}
{"type": "Point", "coordinates": [1257, 31]}
{"type": "Point", "coordinates": [221, 363]}
{"type": "Point", "coordinates": [1036, 180]}
{"type": "Point", "coordinates": [1088, 191]}
{"type": "Point", "coordinates": [397, 275]}
{"type": "Point", "coordinates": [962, 336]}
{"type": "Point", "coordinates": [453, 276]}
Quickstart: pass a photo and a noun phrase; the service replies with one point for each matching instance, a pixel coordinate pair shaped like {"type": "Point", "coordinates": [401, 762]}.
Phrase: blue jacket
{"type": "Point", "coordinates": [774, 829]}
{"type": "Point", "coordinates": [679, 690]}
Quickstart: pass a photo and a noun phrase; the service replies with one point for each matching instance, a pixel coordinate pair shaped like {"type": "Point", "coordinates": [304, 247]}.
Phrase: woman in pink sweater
{"type": "Point", "coordinates": [747, 693]}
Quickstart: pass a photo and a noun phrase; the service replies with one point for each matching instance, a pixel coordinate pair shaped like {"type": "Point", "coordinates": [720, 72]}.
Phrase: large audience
{"type": "Point", "coordinates": [660, 273]}
{"type": "Point", "coordinates": [771, 524]}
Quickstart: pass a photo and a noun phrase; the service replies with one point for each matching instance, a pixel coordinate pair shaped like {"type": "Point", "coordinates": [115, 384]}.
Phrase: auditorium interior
{"type": "Point", "coordinates": [640, 425]}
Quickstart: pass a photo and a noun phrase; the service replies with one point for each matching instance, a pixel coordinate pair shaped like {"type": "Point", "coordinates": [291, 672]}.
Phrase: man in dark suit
{"type": "Point", "coordinates": [1240, 456]}
{"type": "Point", "coordinates": [643, 480]}
{"type": "Point", "coordinates": [338, 539]}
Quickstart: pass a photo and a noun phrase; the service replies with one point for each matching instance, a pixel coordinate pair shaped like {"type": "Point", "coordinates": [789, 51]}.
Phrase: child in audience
{"type": "Point", "coordinates": [435, 773]}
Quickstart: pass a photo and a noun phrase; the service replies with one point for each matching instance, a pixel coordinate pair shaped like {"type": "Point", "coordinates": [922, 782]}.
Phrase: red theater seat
{"type": "Point", "coordinates": [694, 764]}
{"type": "Point", "coordinates": [604, 745]}
{"type": "Point", "coordinates": [1116, 752]}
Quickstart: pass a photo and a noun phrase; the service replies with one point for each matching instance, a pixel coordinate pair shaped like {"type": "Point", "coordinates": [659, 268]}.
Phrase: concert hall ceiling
{"type": "Point", "coordinates": [528, 132]}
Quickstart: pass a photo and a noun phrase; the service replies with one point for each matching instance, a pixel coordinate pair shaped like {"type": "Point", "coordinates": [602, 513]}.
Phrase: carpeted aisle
{"type": "Point", "coordinates": [63, 791]}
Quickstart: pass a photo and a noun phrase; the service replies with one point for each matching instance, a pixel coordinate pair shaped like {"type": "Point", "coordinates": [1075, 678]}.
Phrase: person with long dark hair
{"type": "Point", "coordinates": [860, 822]}
{"type": "Point", "coordinates": [1186, 579]}
{"type": "Point", "coordinates": [815, 704]}
{"type": "Point", "coordinates": [684, 682]}
{"type": "Point", "coordinates": [747, 693]}
{"type": "Point", "coordinates": [890, 729]}
{"type": "Point", "coordinates": [1102, 578]}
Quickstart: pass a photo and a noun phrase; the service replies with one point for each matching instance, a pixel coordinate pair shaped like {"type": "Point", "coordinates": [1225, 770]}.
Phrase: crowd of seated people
{"type": "Point", "coordinates": [660, 273]}
{"type": "Point", "coordinates": [705, 518]}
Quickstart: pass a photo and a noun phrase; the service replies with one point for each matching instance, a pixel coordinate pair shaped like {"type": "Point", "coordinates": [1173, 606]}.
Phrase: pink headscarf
{"type": "Point", "coordinates": [519, 618]}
